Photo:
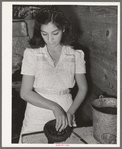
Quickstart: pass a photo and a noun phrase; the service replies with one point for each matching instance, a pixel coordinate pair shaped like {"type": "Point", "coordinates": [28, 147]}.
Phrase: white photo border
{"type": "Point", "coordinates": [7, 70]}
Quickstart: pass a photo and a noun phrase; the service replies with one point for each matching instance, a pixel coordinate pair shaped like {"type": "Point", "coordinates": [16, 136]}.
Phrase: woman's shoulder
{"type": "Point", "coordinates": [33, 51]}
{"type": "Point", "coordinates": [71, 50]}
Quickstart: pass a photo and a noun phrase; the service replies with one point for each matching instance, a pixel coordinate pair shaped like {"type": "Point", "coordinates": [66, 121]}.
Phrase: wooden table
{"type": "Point", "coordinates": [85, 133]}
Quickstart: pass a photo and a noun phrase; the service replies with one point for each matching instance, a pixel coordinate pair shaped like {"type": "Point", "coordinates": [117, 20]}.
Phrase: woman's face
{"type": "Point", "coordinates": [51, 34]}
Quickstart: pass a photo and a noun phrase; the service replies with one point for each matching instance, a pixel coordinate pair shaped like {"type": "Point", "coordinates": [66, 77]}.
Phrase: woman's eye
{"type": "Point", "coordinates": [55, 33]}
{"type": "Point", "coordinates": [44, 34]}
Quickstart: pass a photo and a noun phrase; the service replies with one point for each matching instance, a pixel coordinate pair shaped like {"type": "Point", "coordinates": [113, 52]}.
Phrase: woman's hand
{"type": "Point", "coordinates": [70, 119]}
{"type": "Point", "coordinates": [61, 118]}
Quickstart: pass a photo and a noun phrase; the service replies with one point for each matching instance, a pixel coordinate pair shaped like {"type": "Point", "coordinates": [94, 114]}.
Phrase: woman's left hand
{"type": "Point", "coordinates": [70, 119]}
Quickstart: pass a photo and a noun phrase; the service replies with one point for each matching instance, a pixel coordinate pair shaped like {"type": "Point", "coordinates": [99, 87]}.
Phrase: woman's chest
{"type": "Point", "coordinates": [65, 63]}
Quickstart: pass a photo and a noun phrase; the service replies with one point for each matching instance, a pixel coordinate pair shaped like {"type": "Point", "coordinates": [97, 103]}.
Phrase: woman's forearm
{"type": "Point", "coordinates": [37, 100]}
{"type": "Point", "coordinates": [77, 101]}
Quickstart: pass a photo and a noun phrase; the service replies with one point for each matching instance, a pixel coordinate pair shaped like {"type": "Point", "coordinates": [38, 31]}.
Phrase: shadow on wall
{"type": "Point", "coordinates": [72, 17]}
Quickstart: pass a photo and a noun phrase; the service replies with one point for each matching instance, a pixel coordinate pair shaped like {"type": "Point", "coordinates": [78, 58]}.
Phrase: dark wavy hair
{"type": "Point", "coordinates": [51, 14]}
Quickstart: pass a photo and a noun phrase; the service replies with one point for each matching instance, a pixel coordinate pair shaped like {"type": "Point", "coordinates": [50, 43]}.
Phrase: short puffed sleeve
{"type": "Point", "coordinates": [28, 62]}
{"type": "Point", "coordinates": [80, 62]}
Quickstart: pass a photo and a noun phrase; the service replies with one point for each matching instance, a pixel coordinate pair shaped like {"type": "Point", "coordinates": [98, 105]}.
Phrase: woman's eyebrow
{"type": "Point", "coordinates": [52, 31]}
{"type": "Point", "coordinates": [43, 31]}
{"type": "Point", "coordinates": [55, 30]}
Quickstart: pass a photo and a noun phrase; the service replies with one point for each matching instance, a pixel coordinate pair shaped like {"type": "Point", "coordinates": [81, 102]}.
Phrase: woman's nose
{"type": "Point", "coordinates": [50, 38]}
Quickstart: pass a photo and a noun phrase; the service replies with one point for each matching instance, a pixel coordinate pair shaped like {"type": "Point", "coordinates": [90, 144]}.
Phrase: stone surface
{"type": "Point", "coordinates": [19, 29]}
{"type": "Point", "coordinates": [103, 14]}
{"type": "Point", "coordinates": [84, 132]}
{"type": "Point", "coordinates": [99, 36]}
{"type": "Point", "coordinates": [19, 44]}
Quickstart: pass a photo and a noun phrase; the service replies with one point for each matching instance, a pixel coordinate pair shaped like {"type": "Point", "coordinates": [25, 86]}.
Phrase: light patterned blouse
{"type": "Point", "coordinates": [38, 63]}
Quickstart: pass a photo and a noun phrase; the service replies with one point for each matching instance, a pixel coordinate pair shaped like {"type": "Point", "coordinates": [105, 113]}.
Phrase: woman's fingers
{"type": "Point", "coordinates": [64, 124]}
{"type": "Point", "coordinates": [69, 122]}
{"type": "Point", "coordinates": [61, 118]}
{"type": "Point", "coordinates": [58, 123]}
{"type": "Point", "coordinates": [70, 119]}
{"type": "Point", "coordinates": [61, 123]}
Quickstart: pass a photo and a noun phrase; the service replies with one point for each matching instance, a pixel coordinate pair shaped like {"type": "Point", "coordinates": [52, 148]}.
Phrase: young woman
{"type": "Point", "coordinates": [50, 67]}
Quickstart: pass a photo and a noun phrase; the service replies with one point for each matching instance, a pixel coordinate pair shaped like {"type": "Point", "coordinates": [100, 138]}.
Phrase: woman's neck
{"type": "Point", "coordinates": [56, 48]}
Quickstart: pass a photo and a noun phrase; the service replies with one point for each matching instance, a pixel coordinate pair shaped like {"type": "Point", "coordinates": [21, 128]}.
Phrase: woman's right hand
{"type": "Point", "coordinates": [61, 118]}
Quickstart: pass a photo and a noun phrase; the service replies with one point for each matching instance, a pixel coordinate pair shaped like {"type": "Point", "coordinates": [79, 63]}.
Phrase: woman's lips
{"type": "Point", "coordinates": [51, 43]}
